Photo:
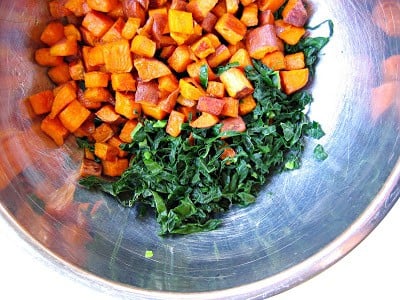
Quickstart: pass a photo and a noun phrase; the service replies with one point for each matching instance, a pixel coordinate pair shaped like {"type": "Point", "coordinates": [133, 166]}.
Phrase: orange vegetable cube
{"type": "Point", "coordinates": [168, 83]}
{"type": "Point", "coordinates": [58, 10]}
{"type": "Point", "coordinates": [117, 56]}
{"type": "Point", "coordinates": [45, 59]}
{"type": "Point", "coordinates": [194, 70]}
{"type": "Point", "coordinates": [242, 57]}
{"type": "Point", "coordinates": [186, 102]}
{"type": "Point", "coordinates": [54, 129]}
{"type": "Point", "coordinates": [209, 22]}
{"type": "Point", "coordinates": [98, 94]}
{"type": "Point", "coordinates": [65, 47]}
{"type": "Point", "coordinates": [272, 5]}
{"type": "Point", "coordinates": [175, 121]}
{"type": "Point", "coordinates": [232, 6]}
{"type": "Point", "coordinates": [72, 32]}
{"type": "Point", "coordinates": [41, 102]}
{"type": "Point", "coordinates": [289, 33]}
{"type": "Point", "coordinates": [126, 131]}
{"type": "Point", "coordinates": [210, 105]}
{"type": "Point", "coordinates": [97, 23]}
{"type": "Point", "coordinates": [116, 142]}
{"type": "Point", "coordinates": [102, 5]}
{"type": "Point", "coordinates": [266, 17]}
{"type": "Point", "coordinates": [168, 102]}
{"type": "Point", "coordinates": [200, 8]}
{"type": "Point", "coordinates": [116, 167]}
{"type": "Point", "coordinates": [205, 120]}
{"type": "Point", "coordinates": [216, 89]}
{"type": "Point", "coordinates": [59, 74]}
{"type": "Point", "coordinates": [153, 111]}
{"type": "Point", "coordinates": [262, 40]}
{"type": "Point", "coordinates": [115, 32]}
{"type": "Point", "coordinates": [180, 21]}
{"type": "Point", "coordinates": [236, 83]}
{"type": "Point", "coordinates": [65, 95]}
{"type": "Point", "coordinates": [180, 58]}
{"type": "Point", "coordinates": [274, 60]}
{"type": "Point", "coordinates": [108, 114]}
{"type": "Point", "coordinates": [230, 28]}
{"type": "Point", "coordinates": [105, 151]}
{"type": "Point", "coordinates": [123, 82]}
{"type": "Point", "coordinates": [295, 13]}
{"type": "Point", "coordinates": [130, 28]}
{"type": "Point", "coordinates": [233, 124]}
{"type": "Point", "coordinates": [77, 7]}
{"type": "Point", "coordinates": [94, 57]}
{"type": "Point", "coordinates": [88, 37]}
{"type": "Point", "coordinates": [53, 32]}
{"type": "Point", "coordinates": [220, 9]}
{"type": "Point", "coordinates": [126, 106]}
{"type": "Point", "coordinates": [231, 107]}
{"type": "Point", "coordinates": [246, 105]}
{"type": "Point", "coordinates": [294, 80]}
{"type": "Point", "coordinates": [150, 68]}
{"type": "Point", "coordinates": [147, 93]}
{"type": "Point", "coordinates": [103, 133]}
{"type": "Point", "coordinates": [143, 46]}
{"type": "Point", "coordinates": [250, 15]}
{"type": "Point", "coordinates": [221, 55]}
{"type": "Point", "coordinates": [295, 61]}
{"type": "Point", "coordinates": [96, 79]}
{"type": "Point", "coordinates": [189, 91]}
{"type": "Point", "coordinates": [188, 112]}
{"type": "Point", "coordinates": [203, 47]}
{"type": "Point", "coordinates": [73, 116]}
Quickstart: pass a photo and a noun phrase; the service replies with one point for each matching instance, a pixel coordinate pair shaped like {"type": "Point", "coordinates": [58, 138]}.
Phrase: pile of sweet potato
{"type": "Point", "coordinates": [121, 60]}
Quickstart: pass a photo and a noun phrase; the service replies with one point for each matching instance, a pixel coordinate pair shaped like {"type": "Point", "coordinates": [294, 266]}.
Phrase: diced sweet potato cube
{"type": "Point", "coordinates": [210, 105]}
{"type": "Point", "coordinates": [194, 70]}
{"type": "Point", "coordinates": [221, 55]}
{"type": "Point", "coordinates": [262, 40]}
{"type": "Point", "coordinates": [188, 112]}
{"type": "Point", "coordinates": [96, 79]}
{"type": "Point", "coordinates": [230, 28]}
{"type": "Point", "coordinates": [123, 82]}
{"type": "Point", "coordinates": [295, 13]}
{"type": "Point", "coordinates": [242, 57]}
{"type": "Point", "coordinates": [203, 47]}
{"type": "Point", "coordinates": [266, 17]}
{"type": "Point", "coordinates": [294, 80]}
{"type": "Point", "coordinates": [58, 10]}
{"type": "Point", "coordinates": [205, 120]}
{"type": "Point", "coordinates": [77, 70]}
{"type": "Point", "coordinates": [78, 7]}
{"type": "Point", "coordinates": [97, 94]}
{"type": "Point", "coordinates": [186, 102]}
{"type": "Point", "coordinates": [94, 57]}
{"type": "Point", "coordinates": [88, 37]}
{"type": "Point", "coordinates": [200, 8]}
{"type": "Point", "coordinates": [233, 124]}
{"type": "Point", "coordinates": [116, 142]}
{"type": "Point", "coordinates": [294, 61]}
{"type": "Point", "coordinates": [180, 58]}
{"type": "Point", "coordinates": [126, 106]}
{"type": "Point", "coordinates": [154, 111]}
{"type": "Point", "coordinates": [180, 21]}
{"type": "Point", "coordinates": [289, 33]}
{"type": "Point", "coordinates": [59, 74]}
{"type": "Point", "coordinates": [250, 15]}
{"type": "Point", "coordinates": [45, 59]}
{"type": "Point", "coordinates": [126, 131]}
{"type": "Point", "coordinates": [167, 103]}
{"type": "Point", "coordinates": [220, 9]}
{"type": "Point", "coordinates": [102, 5]}
{"type": "Point", "coordinates": [65, 95]}
{"type": "Point", "coordinates": [41, 102]}
{"type": "Point", "coordinates": [54, 129]}
{"type": "Point", "coordinates": [65, 47]}
{"type": "Point", "coordinates": [274, 60]}
{"type": "Point", "coordinates": [231, 107]}
{"type": "Point", "coordinates": [168, 83]}
{"type": "Point", "coordinates": [90, 168]}
{"type": "Point", "coordinates": [189, 91]}
{"type": "Point", "coordinates": [175, 121]}
{"type": "Point", "coordinates": [236, 83]}
{"type": "Point", "coordinates": [232, 6]}
{"type": "Point", "coordinates": [72, 32]}
{"type": "Point", "coordinates": [247, 105]}
{"type": "Point", "coordinates": [147, 92]}
{"type": "Point", "coordinates": [117, 56]}
{"type": "Point", "coordinates": [130, 28]}
{"type": "Point", "coordinates": [103, 133]}
{"type": "Point", "coordinates": [115, 32]}
{"type": "Point", "coordinates": [216, 89]}
{"type": "Point", "coordinates": [234, 48]}
{"type": "Point", "coordinates": [272, 5]}
{"type": "Point", "coordinates": [108, 114]}
{"type": "Point", "coordinates": [97, 23]}
{"type": "Point", "coordinates": [180, 38]}
{"type": "Point", "coordinates": [105, 151]}
{"type": "Point", "coordinates": [116, 167]}
{"type": "Point", "coordinates": [132, 8]}
{"type": "Point", "coordinates": [73, 116]}
{"type": "Point", "coordinates": [53, 32]}
{"type": "Point", "coordinates": [228, 153]}
{"type": "Point", "coordinates": [143, 46]}
{"type": "Point", "coordinates": [209, 22]}
{"type": "Point", "coordinates": [150, 68]}
{"type": "Point", "coordinates": [86, 129]}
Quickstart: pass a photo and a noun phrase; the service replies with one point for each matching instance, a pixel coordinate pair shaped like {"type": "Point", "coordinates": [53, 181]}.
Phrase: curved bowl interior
{"type": "Point", "coordinates": [296, 215]}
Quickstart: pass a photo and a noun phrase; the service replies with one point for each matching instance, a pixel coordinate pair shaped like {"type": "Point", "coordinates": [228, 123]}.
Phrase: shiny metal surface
{"type": "Point", "coordinates": [303, 221]}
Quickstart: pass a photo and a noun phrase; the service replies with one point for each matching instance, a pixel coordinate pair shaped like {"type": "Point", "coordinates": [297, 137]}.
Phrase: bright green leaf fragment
{"type": "Point", "coordinates": [148, 254]}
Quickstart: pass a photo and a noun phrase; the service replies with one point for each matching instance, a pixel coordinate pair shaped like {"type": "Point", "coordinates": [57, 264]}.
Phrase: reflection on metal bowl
{"type": "Point", "coordinates": [303, 221]}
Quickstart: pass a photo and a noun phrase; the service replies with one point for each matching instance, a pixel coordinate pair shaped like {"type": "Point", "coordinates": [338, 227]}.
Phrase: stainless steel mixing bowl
{"type": "Point", "coordinates": [302, 222]}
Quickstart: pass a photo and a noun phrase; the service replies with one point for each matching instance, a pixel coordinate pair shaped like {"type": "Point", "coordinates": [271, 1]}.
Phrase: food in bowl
{"type": "Point", "coordinates": [183, 107]}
